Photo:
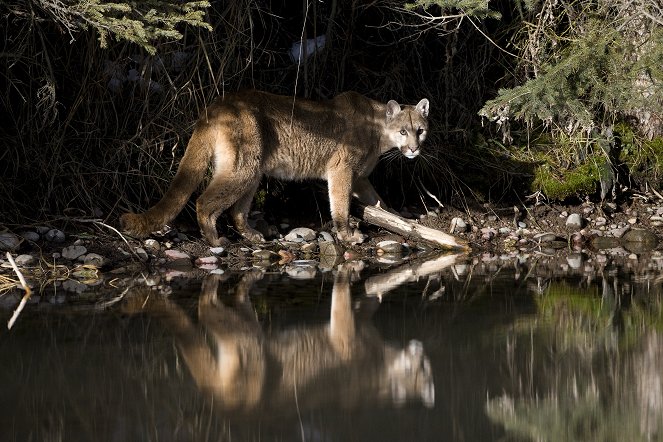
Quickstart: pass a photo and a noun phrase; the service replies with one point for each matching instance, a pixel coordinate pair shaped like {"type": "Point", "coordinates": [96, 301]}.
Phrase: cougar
{"type": "Point", "coordinates": [244, 366]}
{"type": "Point", "coordinates": [248, 134]}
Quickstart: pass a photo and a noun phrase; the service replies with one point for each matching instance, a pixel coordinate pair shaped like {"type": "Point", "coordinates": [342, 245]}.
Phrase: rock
{"type": "Point", "coordinates": [24, 260]}
{"type": "Point", "coordinates": [287, 255]}
{"type": "Point", "coordinates": [458, 225]}
{"type": "Point", "coordinates": [605, 242]}
{"type": "Point", "coordinates": [54, 235]}
{"type": "Point", "coordinates": [300, 234]}
{"type": "Point", "coordinates": [30, 236]}
{"type": "Point", "coordinates": [619, 232]}
{"type": "Point", "coordinates": [9, 242]}
{"type": "Point", "coordinates": [389, 247]}
{"type": "Point", "coordinates": [632, 221]}
{"type": "Point", "coordinates": [173, 255]}
{"type": "Point", "coordinates": [265, 255]}
{"type": "Point", "coordinates": [310, 247]}
{"type": "Point", "coordinates": [487, 233]}
{"type": "Point", "coordinates": [301, 271]}
{"type": "Point", "coordinates": [575, 260]}
{"type": "Point", "coordinates": [142, 254]}
{"type": "Point", "coordinates": [600, 221]}
{"type": "Point", "coordinates": [152, 245]}
{"type": "Point", "coordinates": [95, 260]}
{"type": "Point", "coordinates": [71, 285]}
{"type": "Point", "coordinates": [42, 230]}
{"type": "Point", "coordinates": [325, 236]}
{"type": "Point", "coordinates": [544, 237]}
{"type": "Point", "coordinates": [522, 224]}
{"type": "Point", "coordinates": [217, 250]}
{"type": "Point", "coordinates": [574, 221]}
{"type": "Point", "coordinates": [207, 262]}
{"type": "Point", "coordinates": [640, 235]}
{"type": "Point", "coordinates": [504, 230]}
{"type": "Point", "coordinates": [73, 252]}
{"type": "Point", "coordinates": [330, 248]}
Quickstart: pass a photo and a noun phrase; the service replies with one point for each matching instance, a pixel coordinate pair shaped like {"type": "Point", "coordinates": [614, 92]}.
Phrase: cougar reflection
{"type": "Point", "coordinates": [345, 361]}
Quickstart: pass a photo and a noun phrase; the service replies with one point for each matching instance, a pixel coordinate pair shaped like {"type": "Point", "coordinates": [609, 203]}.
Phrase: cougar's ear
{"type": "Point", "coordinates": [393, 109]}
{"type": "Point", "coordinates": [422, 107]}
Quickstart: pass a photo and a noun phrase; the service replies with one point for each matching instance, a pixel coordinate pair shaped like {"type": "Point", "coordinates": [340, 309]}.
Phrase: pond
{"type": "Point", "coordinates": [444, 347]}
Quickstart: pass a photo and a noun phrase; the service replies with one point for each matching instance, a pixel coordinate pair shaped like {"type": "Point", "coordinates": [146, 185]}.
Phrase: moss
{"type": "Point", "coordinates": [560, 184]}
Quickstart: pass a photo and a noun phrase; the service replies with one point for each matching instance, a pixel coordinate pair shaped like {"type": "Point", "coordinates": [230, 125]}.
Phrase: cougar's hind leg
{"type": "Point", "coordinates": [240, 210]}
{"type": "Point", "coordinates": [220, 194]}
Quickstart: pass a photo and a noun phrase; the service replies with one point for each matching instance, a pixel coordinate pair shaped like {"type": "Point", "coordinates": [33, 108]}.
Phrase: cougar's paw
{"type": "Point", "coordinates": [351, 237]}
{"type": "Point", "coordinates": [253, 235]}
{"type": "Point", "coordinates": [134, 224]}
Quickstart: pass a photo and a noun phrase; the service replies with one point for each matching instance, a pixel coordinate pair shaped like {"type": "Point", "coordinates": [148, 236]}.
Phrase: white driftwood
{"type": "Point", "coordinates": [379, 285]}
{"type": "Point", "coordinates": [410, 229]}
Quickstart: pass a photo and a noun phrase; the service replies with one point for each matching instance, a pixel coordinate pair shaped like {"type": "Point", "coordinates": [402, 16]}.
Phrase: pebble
{"type": "Point", "coordinates": [54, 235]}
{"type": "Point", "coordinates": [504, 230]}
{"type": "Point", "coordinates": [9, 242]}
{"type": "Point", "coordinates": [264, 254]}
{"type": "Point", "coordinates": [30, 236]}
{"type": "Point", "coordinates": [575, 260]}
{"type": "Point", "coordinates": [632, 220]}
{"type": "Point", "coordinates": [207, 262]}
{"type": "Point", "coordinates": [574, 221]}
{"type": "Point", "coordinates": [325, 236]}
{"type": "Point", "coordinates": [310, 247]}
{"type": "Point", "coordinates": [152, 245]}
{"type": "Point", "coordinates": [142, 254]}
{"type": "Point", "coordinates": [71, 285]}
{"type": "Point", "coordinates": [24, 260]}
{"type": "Point", "coordinates": [217, 250]}
{"type": "Point", "coordinates": [600, 221]}
{"type": "Point", "coordinates": [301, 272]}
{"type": "Point", "coordinates": [640, 235]}
{"type": "Point", "coordinates": [389, 247]}
{"type": "Point", "coordinates": [522, 224]}
{"type": "Point", "coordinates": [458, 225]}
{"type": "Point", "coordinates": [619, 231]}
{"type": "Point", "coordinates": [301, 234]}
{"type": "Point", "coordinates": [330, 248]}
{"type": "Point", "coordinates": [544, 237]}
{"type": "Point", "coordinates": [173, 255]}
{"type": "Point", "coordinates": [487, 233]}
{"type": "Point", "coordinates": [73, 252]}
{"type": "Point", "coordinates": [95, 260]}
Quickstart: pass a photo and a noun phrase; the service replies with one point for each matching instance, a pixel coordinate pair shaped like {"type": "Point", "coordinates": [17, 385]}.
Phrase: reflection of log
{"type": "Point", "coordinates": [394, 223]}
{"type": "Point", "coordinates": [380, 284]}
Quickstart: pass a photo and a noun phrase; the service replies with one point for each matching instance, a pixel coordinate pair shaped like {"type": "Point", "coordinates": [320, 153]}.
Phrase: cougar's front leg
{"type": "Point", "coordinates": [339, 180]}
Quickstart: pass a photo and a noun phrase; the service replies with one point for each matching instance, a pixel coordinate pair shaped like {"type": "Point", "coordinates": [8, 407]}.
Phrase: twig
{"type": "Point", "coordinates": [25, 287]}
{"type": "Point", "coordinates": [98, 222]}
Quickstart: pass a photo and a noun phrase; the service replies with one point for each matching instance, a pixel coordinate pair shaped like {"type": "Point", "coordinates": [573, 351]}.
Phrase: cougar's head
{"type": "Point", "coordinates": [407, 127]}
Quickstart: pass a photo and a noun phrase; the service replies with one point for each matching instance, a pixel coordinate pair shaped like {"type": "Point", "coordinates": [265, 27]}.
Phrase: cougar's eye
{"type": "Point", "coordinates": [420, 131]}
{"type": "Point", "coordinates": [403, 132]}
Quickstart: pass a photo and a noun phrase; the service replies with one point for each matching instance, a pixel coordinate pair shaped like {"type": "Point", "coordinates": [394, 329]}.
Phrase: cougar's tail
{"type": "Point", "coordinates": [190, 174]}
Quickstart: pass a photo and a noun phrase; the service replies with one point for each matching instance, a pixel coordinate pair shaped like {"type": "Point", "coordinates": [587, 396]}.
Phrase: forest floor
{"type": "Point", "coordinates": [82, 253]}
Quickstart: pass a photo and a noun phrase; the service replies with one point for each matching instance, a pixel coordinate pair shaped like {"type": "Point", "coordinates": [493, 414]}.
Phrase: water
{"type": "Point", "coordinates": [441, 349]}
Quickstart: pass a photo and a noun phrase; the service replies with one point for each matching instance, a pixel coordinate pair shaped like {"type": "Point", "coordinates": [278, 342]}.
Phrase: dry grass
{"type": "Point", "coordinates": [92, 132]}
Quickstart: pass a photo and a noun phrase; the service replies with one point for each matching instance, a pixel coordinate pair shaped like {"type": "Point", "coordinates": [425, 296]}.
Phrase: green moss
{"type": "Point", "coordinates": [560, 184]}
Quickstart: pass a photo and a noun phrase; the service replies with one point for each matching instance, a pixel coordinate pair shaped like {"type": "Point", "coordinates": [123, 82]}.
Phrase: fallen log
{"type": "Point", "coordinates": [379, 217]}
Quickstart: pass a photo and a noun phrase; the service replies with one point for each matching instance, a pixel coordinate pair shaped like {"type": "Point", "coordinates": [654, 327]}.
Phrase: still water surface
{"type": "Point", "coordinates": [442, 349]}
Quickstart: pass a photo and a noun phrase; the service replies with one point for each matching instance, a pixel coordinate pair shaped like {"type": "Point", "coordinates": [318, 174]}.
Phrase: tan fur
{"type": "Point", "coordinates": [249, 134]}
{"type": "Point", "coordinates": [245, 368]}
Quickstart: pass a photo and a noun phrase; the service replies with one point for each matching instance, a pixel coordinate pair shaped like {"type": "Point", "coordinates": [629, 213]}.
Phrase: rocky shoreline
{"type": "Point", "coordinates": [79, 257]}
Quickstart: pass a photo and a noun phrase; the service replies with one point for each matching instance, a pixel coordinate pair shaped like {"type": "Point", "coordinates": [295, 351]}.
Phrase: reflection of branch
{"type": "Point", "coordinates": [380, 284]}
{"type": "Point", "coordinates": [25, 286]}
